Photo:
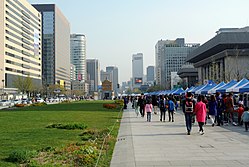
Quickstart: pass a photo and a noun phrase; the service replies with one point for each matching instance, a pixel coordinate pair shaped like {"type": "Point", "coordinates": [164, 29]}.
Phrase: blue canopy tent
{"type": "Point", "coordinates": [213, 90]}
{"type": "Point", "coordinates": [235, 88]}
{"type": "Point", "coordinates": [244, 89]}
{"type": "Point", "coordinates": [224, 88]}
{"type": "Point", "coordinates": [196, 88]}
{"type": "Point", "coordinates": [189, 89]}
{"type": "Point", "coordinates": [171, 91]}
{"type": "Point", "coordinates": [178, 91]}
{"type": "Point", "coordinates": [205, 89]}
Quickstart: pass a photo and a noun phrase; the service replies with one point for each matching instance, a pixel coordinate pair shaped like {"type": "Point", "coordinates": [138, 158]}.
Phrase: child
{"type": "Point", "coordinates": [148, 109]}
{"type": "Point", "coordinates": [240, 111]}
{"type": "Point", "coordinates": [245, 118]}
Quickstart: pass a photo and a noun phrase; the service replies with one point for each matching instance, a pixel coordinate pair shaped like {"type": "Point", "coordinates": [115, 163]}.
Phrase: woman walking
{"type": "Point", "coordinates": [201, 111]}
{"type": "Point", "coordinates": [148, 109]}
{"type": "Point", "coordinates": [212, 105]}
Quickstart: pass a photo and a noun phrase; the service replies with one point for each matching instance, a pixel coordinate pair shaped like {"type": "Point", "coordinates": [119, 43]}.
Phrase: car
{"type": "Point", "coordinates": [39, 100]}
{"type": "Point", "coordinates": [16, 101]}
{"type": "Point", "coordinates": [4, 103]}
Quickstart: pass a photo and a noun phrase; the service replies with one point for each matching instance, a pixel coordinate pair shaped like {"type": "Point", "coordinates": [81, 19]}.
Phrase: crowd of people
{"type": "Point", "coordinates": [218, 108]}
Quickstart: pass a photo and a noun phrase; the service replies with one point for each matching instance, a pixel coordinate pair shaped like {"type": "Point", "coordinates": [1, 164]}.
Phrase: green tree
{"type": "Point", "coordinates": [24, 84]}
{"type": "Point", "coordinates": [155, 88]}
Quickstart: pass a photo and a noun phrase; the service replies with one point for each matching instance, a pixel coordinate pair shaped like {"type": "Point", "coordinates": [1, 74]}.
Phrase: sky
{"type": "Point", "coordinates": [117, 29]}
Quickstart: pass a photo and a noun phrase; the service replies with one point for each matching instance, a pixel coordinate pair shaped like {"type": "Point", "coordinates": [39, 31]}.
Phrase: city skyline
{"type": "Point", "coordinates": [117, 30]}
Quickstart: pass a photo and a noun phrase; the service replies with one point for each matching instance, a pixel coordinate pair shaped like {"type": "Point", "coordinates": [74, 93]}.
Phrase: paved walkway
{"type": "Point", "coordinates": [154, 144]}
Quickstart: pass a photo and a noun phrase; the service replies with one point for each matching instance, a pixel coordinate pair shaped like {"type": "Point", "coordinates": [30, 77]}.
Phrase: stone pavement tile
{"type": "Point", "coordinates": [153, 143]}
{"type": "Point", "coordinates": [244, 162]}
{"type": "Point", "coordinates": [152, 163]}
{"type": "Point", "coordinates": [187, 163]}
{"type": "Point", "coordinates": [125, 164]}
{"type": "Point", "coordinates": [222, 162]}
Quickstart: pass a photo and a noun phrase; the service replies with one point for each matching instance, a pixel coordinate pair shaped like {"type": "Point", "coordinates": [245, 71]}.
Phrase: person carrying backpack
{"type": "Point", "coordinates": [188, 109]}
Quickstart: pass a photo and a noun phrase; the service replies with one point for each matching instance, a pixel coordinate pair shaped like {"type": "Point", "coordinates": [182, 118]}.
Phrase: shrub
{"type": "Point", "coordinates": [110, 106]}
{"type": "Point", "coordinates": [38, 104]}
{"type": "Point", "coordinates": [19, 105]}
{"type": "Point", "coordinates": [66, 101]}
{"type": "Point", "coordinates": [21, 156]}
{"type": "Point", "coordinates": [69, 126]}
{"type": "Point", "coordinates": [119, 102]}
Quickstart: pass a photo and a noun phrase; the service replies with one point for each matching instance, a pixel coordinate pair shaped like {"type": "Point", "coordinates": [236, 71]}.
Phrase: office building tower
{"type": "Point", "coordinates": [20, 43]}
{"type": "Point", "coordinates": [105, 76]}
{"type": "Point", "coordinates": [170, 56]}
{"type": "Point", "coordinates": [93, 72]}
{"type": "Point", "coordinates": [137, 70]}
{"type": "Point", "coordinates": [78, 55]}
{"type": "Point", "coordinates": [150, 75]}
{"type": "Point", "coordinates": [114, 80]}
{"type": "Point", "coordinates": [55, 46]}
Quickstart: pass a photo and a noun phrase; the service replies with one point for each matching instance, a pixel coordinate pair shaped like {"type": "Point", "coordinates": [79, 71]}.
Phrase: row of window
{"type": "Point", "coordinates": [22, 72]}
{"type": "Point", "coordinates": [36, 20]}
{"type": "Point", "coordinates": [27, 18]}
{"type": "Point", "coordinates": [22, 65]}
{"type": "Point", "coordinates": [21, 51]}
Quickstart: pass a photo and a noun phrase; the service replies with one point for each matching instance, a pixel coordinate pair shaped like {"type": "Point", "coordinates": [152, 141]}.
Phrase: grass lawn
{"type": "Point", "coordinates": [25, 128]}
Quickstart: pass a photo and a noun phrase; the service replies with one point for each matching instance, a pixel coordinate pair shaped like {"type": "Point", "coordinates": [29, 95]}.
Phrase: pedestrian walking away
{"type": "Point", "coordinates": [200, 111]}
{"type": "Point", "coordinates": [188, 109]}
{"type": "Point", "coordinates": [171, 109]}
{"type": "Point", "coordinates": [148, 109]}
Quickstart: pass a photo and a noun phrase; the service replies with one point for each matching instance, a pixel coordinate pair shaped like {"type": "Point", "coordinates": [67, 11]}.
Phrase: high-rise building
{"type": "Point", "coordinates": [78, 55]}
{"type": "Point", "coordinates": [105, 76]}
{"type": "Point", "coordinates": [150, 75]}
{"type": "Point", "coordinates": [93, 72]}
{"type": "Point", "coordinates": [20, 43]}
{"type": "Point", "coordinates": [137, 70]}
{"type": "Point", "coordinates": [170, 56]}
{"type": "Point", "coordinates": [55, 46]}
{"type": "Point", "coordinates": [114, 80]}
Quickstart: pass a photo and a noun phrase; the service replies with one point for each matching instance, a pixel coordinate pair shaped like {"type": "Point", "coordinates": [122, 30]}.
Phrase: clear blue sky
{"type": "Point", "coordinates": [116, 29]}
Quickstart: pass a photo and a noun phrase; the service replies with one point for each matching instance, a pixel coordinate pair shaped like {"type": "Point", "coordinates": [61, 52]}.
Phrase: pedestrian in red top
{"type": "Point", "coordinates": [201, 112]}
{"type": "Point", "coordinates": [240, 111]}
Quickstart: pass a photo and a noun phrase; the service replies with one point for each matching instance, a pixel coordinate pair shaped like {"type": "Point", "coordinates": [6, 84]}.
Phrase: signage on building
{"type": "Point", "coordinates": [106, 85]}
{"type": "Point", "coordinates": [138, 80]}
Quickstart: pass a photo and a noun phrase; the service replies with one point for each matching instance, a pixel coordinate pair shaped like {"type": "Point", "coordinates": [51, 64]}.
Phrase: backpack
{"type": "Point", "coordinates": [189, 106]}
{"type": "Point", "coordinates": [161, 104]}
{"type": "Point", "coordinates": [171, 105]}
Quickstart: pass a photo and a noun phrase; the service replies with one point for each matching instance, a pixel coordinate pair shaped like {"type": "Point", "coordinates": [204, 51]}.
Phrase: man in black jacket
{"type": "Point", "coordinates": [141, 103]}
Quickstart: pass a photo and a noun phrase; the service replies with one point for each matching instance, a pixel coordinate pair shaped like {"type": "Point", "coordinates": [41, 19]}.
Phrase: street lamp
{"type": "Point", "coordinates": [3, 87]}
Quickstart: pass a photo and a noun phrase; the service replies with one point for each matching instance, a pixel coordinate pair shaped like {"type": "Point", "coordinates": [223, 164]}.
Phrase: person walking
{"type": "Point", "coordinates": [188, 109]}
{"type": "Point", "coordinates": [162, 107]}
{"type": "Point", "coordinates": [220, 109]}
{"type": "Point", "coordinates": [229, 103]}
{"type": "Point", "coordinates": [171, 109]}
{"type": "Point", "coordinates": [154, 103]}
{"type": "Point", "coordinates": [201, 111]}
{"type": "Point", "coordinates": [136, 105]}
{"type": "Point", "coordinates": [212, 106]}
{"type": "Point", "coordinates": [245, 118]}
{"type": "Point", "coordinates": [148, 109]}
{"type": "Point", "coordinates": [141, 104]}
{"type": "Point", "coordinates": [240, 111]}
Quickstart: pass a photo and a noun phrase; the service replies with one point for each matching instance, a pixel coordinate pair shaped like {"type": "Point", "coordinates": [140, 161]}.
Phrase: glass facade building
{"type": "Point", "coordinates": [78, 55]}
{"type": "Point", "coordinates": [56, 46]}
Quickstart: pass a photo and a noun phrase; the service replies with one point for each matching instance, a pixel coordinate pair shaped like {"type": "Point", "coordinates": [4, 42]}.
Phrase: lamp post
{"type": "Point", "coordinates": [3, 88]}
